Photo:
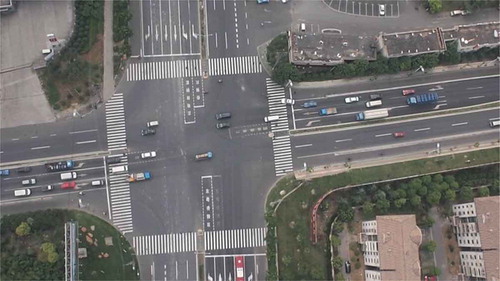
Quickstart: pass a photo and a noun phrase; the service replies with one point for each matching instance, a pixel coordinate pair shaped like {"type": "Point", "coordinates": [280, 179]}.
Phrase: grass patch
{"type": "Point", "coordinates": [23, 257]}
{"type": "Point", "coordinates": [297, 257]}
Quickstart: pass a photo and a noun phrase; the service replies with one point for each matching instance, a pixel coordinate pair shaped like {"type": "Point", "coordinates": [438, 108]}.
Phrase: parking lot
{"type": "Point", "coordinates": [366, 7]}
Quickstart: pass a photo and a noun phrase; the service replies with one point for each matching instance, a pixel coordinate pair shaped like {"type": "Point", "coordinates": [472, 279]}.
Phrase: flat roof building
{"type": "Point", "coordinates": [476, 226]}
{"type": "Point", "coordinates": [390, 248]}
{"type": "Point", "coordinates": [411, 43]}
{"type": "Point", "coordinates": [474, 36]}
{"type": "Point", "coordinates": [327, 49]}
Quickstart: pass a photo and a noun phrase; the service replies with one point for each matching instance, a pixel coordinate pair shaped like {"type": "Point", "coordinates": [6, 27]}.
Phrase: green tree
{"type": "Point", "coordinates": [345, 213]}
{"type": "Point", "coordinates": [286, 259]}
{"type": "Point", "coordinates": [52, 257]}
{"type": "Point", "coordinates": [383, 205]}
{"type": "Point", "coordinates": [398, 203]}
{"type": "Point", "coordinates": [368, 209]}
{"type": "Point", "coordinates": [422, 190]}
{"type": "Point", "coordinates": [433, 198]}
{"type": "Point", "coordinates": [450, 195]}
{"type": "Point", "coordinates": [48, 247]}
{"type": "Point", "coordinates": [335, 240]}
{"type": "Point", "coordinates": [23, 229]}
{"type": "Point", "coordinates": [337, 263]}
{"type": "Point", "coordinates": [437, 178]}
{"type": "Point", "coordinates": [484, 191]}
{"type": "Point", "coordinates": [416, 200]}
{"type": "Point", "coordinates": [429, 246]}
{"type": "Point", "coordinates": [284, 72]}
{"type": "Point", "coordinates": [435, 6]}
{"type": "Point", "coordinates": [466, 193]}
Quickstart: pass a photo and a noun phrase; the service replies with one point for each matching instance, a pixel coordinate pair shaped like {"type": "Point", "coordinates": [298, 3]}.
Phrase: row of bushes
{"type": "Point", "coordinates": [277, 57]}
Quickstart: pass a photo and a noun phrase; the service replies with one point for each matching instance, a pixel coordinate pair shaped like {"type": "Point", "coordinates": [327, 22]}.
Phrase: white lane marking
{"type": "Point", "coordinates": [343, 140]}
{"type": "Point", "coordinates": [53, 135]}
{"type": "Point", "coordinates": [303, 145]}
{"type": "Point", "coordinates": [225, 36]}
{"type": "Point", "coordinates": [474, 88]}
{"type": "Point", "coordinates": [422, 129]}
{"type": "Point", "coordinates": [40, 147]}
{"type": "Point", "coordinates": [459, 124]}
{"type": "Point", "coordinates": [476, 97]}
{"type": "Point", "coordinates": [1, 152]}
{"type": "Point", "coordinates": [84, 131]}
{"type": "Point", "coordinates": [383, 135]}
{"type": "Point", "coordinates": [15, 139]}
{"type": "Point", "coordinates": [491, 119]}
{"type": "Point", "coordinates": [85, 142]}
{"type": "Point", "coordinates": [35, 137]}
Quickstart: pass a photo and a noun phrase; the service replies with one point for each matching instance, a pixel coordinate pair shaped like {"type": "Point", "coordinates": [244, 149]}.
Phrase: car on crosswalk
{"type": "Point", "coordinates": [288, 101]}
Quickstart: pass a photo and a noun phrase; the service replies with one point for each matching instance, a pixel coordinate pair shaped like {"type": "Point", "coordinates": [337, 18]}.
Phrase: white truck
{"type": "Point", "coordinates": [372, 114]}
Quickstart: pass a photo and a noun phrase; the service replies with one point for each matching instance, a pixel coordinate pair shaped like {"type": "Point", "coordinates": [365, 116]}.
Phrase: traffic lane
{"type": "Point", "coordinates": [192, 23]}
{"type": "Point", "coordinates": [221, 27]}
{"type": "Point", "coordinates": [374, 152]}
{"type": "Point", "coordinates": [383, 134]}
{"type": "Point", "coordinates": [147, 24]}
{"type": "Point", "coordinates": [303, 91]}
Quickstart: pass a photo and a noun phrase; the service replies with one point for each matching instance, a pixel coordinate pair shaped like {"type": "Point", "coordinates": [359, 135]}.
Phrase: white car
{"type": "Point", "coordinates": [146, 155]}
{"type": "Point", "coordinates": [284, 1]}
{"type": "Point", "coordinates": [381, 9]}
{"type": "Point", "coordinates": [351, 99]}
{"type": "Point", "coordinates": [288, 101]}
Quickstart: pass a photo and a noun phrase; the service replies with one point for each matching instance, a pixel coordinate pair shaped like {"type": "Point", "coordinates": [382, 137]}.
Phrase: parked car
{"type": "Point", "coordinates": [381, 9]}
{"type": "Point", "coordinates": [222, 125]}
{"type": "Point", "coordinates": [24, 170]}
{"type": "Point", "coordinates": [68, 185]}
{"type": "Point", "coordinates": [4, 173]}
{"type": "Point", "coordinates": [459, 13]}
{"type": "Point", "coordinates": [408, 92]}
{"type": "Point", "coordinates": [147, 132]}
{"type": "Point", "coordinates": [288, 101]}
{"type": "Point", "coordinates": [47, 188]}
{"type": "Point", "coordinates": [146, 155]}
{"type": "Point", "coordinates": [223, 115]}
{"type": "Point", "coordinates": [308, 104]}
{"type": "Point", "coordinates": [351, 99]}
{"type": "Point", "coordinates": [398, 134]}
{"type": "Point", "coordinates": [347, 266]}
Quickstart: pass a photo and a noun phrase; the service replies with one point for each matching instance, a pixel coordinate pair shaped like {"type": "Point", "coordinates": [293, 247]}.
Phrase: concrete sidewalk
{"type": "Point", "coordinates": [328, 170]}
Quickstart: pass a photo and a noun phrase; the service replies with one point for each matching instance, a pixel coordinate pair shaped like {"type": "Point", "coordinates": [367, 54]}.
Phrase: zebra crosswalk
{"type": "Point", "coordinates": [282, 148]}
{"type": "Point", "coordinates": [164, 243]}
{"type": "Point", "coordinates": [187, 242]}
{"type": "Point", "coordinates": [235, 239]}
{"type": "Point", "coordinates": [163, 70]}
{"type": "Point", "coordinates": [234, 65]}
{"type": "Point", "coordinates": [119, 189]}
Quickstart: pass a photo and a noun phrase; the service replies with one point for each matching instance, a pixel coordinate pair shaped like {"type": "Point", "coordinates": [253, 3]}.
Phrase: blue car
{"type": "Point", "coordinates": [308, 104]}
{"type": "Point", "coordinates": [4, 172]}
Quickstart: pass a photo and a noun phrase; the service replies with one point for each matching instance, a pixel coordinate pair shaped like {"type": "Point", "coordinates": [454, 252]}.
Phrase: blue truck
{"type": "Point", "coordinates": [423, 99]}
{"type": "Point", "coordinates": [60, 166]}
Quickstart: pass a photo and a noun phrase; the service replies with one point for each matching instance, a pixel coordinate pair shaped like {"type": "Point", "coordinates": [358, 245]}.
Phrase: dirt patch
{"type": "Point", "coordinates": [452, 250]}
{"type": "Point", "coordinates": [96, 53]}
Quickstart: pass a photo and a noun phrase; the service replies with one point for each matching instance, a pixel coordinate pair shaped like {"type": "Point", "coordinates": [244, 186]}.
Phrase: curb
{"type": "Point", "coordinates": [40, 161]}
{"type": "Point", "coordinates": [14, 68]}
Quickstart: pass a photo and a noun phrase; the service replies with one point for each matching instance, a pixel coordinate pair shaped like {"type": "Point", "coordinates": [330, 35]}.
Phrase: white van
{"type": "Point", "coordinates": [68, 176]}
{"type": "Point", "coordinates": [98, 183]}
{"type": "Point", "coordinates": [22, 192]}
{"type": "Point", "coordinates": [268, 119]}
{"type": "Point", "coordinates": [373, 103]}
{"type": "Point", "coordinates": [495, 123]}
{"type": "Point", "coordinates": [152, 124]}
{"type": "Point", "coordinates": [303, 27]}
{"type": "Point", "coordinates": [118, 169]}
{"type": "Point", "coordinates": [29, 182]}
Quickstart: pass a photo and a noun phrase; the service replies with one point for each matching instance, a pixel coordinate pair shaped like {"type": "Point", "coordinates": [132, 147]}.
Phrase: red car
{"type": "Point", "coordinates": [68, 185]}
{"type": "Point", "coordinates": [408, 92]}
{"type": "Point", "coordinates": [239, 263]}
{"type": "Point", "coordinates": [398, 134]}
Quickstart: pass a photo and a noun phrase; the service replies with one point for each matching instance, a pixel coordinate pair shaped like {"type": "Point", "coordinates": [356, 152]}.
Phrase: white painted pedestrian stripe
{"type": "Point", "coordinates": [119, 189]}
{"type": "Point", "coordinates": [164, 243]}
{"type": "Point", "coordinates": [235, 239]}
{"type": "Point", "coordinates": [163, 70]}
{"type": "Point", "coordinates": [282, 147]}
{"type": "Point", "coordinates": [234, 65]}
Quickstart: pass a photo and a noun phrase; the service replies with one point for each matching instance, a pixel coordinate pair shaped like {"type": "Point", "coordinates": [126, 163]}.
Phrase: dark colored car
{"type": "Point", "coordinates": [375, 97]}
{"type": "Point", "coordinates": [223, 115]}
{"type": "Point", "coordinates": [222, 125]}
{"type": "Point", "coordinates": [147, 132]}
{"type": "Point", "coordinates": [308, 104]}
{"type": "Point", "coordinates": [24, 170]}
{"type": "Point", "coordinates": [347, 266]}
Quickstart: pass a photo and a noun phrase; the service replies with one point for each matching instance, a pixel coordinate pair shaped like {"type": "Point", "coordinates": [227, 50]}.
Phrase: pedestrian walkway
{"type": "Point", "coordinates": [235, 239]}
{"type": "Point", "coordinates": [282, 148]}
{"type": "Point", "coordinates": [164, 243]}
{"type": "Point", "coordinates": [119, 189]}
{"type": "Point", "coordinates": [234, 65]}
{"type": "Point", "coordinates": [163, 70]}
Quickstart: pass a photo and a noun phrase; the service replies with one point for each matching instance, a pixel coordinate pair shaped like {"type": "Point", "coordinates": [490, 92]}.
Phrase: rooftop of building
{"type": "Point", "coordinates": [488, 220]}
{"type": "Point", "coordinates": [399, 239]}
{"type": "Point", "coordinates": [330, 48]}
{"type": "Point", "coordinates": [413, 42]}
{"type": "Point", "coordinates": [474, 34]}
